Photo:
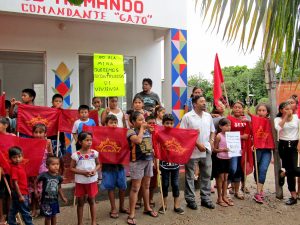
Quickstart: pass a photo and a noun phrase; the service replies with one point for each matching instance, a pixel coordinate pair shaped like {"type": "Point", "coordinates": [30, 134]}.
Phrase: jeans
{"type": "Point", "coordinates": [19, 207]}
{"type": "Point", "coordinates": [235, 170]}
{"type": "Point", "coordinates": [205, 167]}
{"type": "Point", "coordinates": [263, 161]}
{"type": "Point", "coordinates": [165, 178]}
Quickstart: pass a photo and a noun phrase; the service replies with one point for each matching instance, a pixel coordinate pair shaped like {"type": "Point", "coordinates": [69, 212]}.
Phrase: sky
{"type": "Point", "coordinates": [203, 45]}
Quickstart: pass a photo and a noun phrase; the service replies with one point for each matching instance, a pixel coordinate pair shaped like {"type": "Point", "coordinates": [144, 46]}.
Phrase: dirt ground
{"type": "Point", "coordinates": [245, 212]}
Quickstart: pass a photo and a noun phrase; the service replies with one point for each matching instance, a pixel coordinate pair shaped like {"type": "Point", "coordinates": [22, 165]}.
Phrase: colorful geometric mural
{"type": "Point", "coordinates": [179, 72]}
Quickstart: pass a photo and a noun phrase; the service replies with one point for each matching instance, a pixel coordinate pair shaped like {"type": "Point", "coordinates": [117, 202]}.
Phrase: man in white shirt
{"type": "Point", "coordinates": [200, 120]}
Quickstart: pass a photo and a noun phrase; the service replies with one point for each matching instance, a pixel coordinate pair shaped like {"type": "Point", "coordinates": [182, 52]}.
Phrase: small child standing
{"type": "Point", "coordinates": [85, 164]}
{"type": "Point", "coordinates": [114, 176]}
{"type": "Point", "coordinates": [222, 162]}
{"type": "Point", "coordinates": [96, 102]}
{"type": "Point", "coordinates": [170, 170]}
{"type": "Point", "coordinates": [159, 114]}
{"type": "Point", "coordinates": [84, 119]}
{"type": "Point", "coordinates": [115, 110]}
{"type": "Point", "coordinates": [20, 197]}
{"type": "Point", "coordinates": [51, 188]}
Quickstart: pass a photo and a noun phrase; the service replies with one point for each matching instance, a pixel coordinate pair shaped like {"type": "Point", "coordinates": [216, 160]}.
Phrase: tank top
{"type": "Point", "coordinates": [222, 144]}
{"type": "Point", "coordinates": [119, 116]}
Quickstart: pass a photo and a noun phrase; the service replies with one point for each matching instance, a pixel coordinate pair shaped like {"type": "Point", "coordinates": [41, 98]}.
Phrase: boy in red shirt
{"type": "Point", "coordinates": [20, 197]}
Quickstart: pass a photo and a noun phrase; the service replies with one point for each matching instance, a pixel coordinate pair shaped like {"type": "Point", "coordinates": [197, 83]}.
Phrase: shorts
{"type": "Point", "coordinates": [81, 190]}
{"type": "Point", "coordinates": [3, 189]}
{"type": "Point", "coordinates": [113, 179]}
{"type": "Point", "coordinates": [221, 165]}
{"type": "Point", "coordinates": [49, 209]}
{"type": "Point", "coordinates": [140, 169]}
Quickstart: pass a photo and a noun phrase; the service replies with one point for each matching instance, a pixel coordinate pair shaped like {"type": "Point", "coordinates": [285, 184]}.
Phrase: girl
{"type": "Point", "coordinates": [222, 162]}
{"type": "Point", "coordinates": [137, 105]}
{"type": "Point", "coordinates": [238, 123]}
{"type": "Point", "coordinates": [85, 164]}
{"type": "Point", "coordinates": [141, 165]}
{"type": "Point", "coordinates": [188, 105]}
{"type": "Point", "coordinates": [287, 125]}
{"type": "Point", "coordinates": [115, 110]}
{"type": "Point", "coordinates": [263, 155]}
{"type": "Point", "coordinates": [39, 131]}
{"type": "Point", "coordinates": [159, 113]}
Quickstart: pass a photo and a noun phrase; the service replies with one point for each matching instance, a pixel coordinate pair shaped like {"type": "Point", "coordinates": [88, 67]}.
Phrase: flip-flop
{"type": "Point", "coordinates": [125, 211]}
{"type": "Point", "coordinates": [151, 213]}
{"type": "Point", "coordinates": [132, 219]}
{"type": "Point", "coordinates": [239, 196]}
{"type": "Point", "coordinates": [228, 201]}
{"type": "Point", "coordinates": [223, 204]}
{"type": "Point", "coordinates": [114, 215]}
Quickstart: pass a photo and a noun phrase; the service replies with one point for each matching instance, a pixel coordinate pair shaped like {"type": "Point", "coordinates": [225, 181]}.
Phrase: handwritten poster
{"type": "Point", "coordinates": [109, 75]}
{"type": "Point", "coordinates": [233, 140]}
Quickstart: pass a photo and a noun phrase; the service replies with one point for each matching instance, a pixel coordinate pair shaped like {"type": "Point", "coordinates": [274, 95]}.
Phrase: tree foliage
{"type": "Point", "coordinates": [205, 85]}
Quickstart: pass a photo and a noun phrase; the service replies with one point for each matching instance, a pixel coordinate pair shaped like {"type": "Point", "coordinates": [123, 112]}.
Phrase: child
{"type": "Point", "coordinates": [39, 131]}
{"type": "Point", "coordinates": [114, 176]}
{"type": "Point", "coordinates": [115, 110]}
{"type": "Point", "coordinates": [51, 188]}
{"type": "Point", "coordinates": [287, 125]}
{"type": "Point", "coordinates": [84, 119]}
{"type": "Point", "coordinates": [96, 102]}
{"type": "Point", "coordinates": [238, 124]}
{"type": "Point", "coordinates": [222, 163]}
{"type": "Point", "coordinates": [188, 106]}
{"type": "Point", "coordinates": [85, 164]}
{"type": "Point", "coordinates": [12, 122]}
{"type": "Point", "coordinates": [170, 170]}
{"type": "Point", "coordinates": [159, 114]}
{"type": "Point", "coordinates": [141, 164]}
{"type": "Point", "coordinates": [28, 96]}
{"type": "Point", "coordinates": [137, 105]}
{"type": "Point", "coordinates": [20, 197]}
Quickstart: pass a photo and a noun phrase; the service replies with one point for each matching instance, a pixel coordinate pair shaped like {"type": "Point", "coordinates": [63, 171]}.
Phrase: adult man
{"type": "Point", "coordinates": [200, 120]}
{"type": "Point", "coordinates": [151, 99]}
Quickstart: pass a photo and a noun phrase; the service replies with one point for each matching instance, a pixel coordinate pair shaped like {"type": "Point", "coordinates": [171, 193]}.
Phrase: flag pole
{"type": "Point", "coordinates": [226, 96]}
{"type": "Point", "coordinates": [160, 185]}
{"type": "Point", "coordinates": [256, 171]}
{"type": "Point", "coordinates": [57, 143]}
{"type": "Point", "coordinates": [245, 171]}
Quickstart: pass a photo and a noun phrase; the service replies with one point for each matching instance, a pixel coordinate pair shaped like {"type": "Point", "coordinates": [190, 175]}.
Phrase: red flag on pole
{"type": "Point", "coordinates": [2, 106]}
{"type": "Point", "coordinates": [29, 115]}
{"type": "Point", "coordinates": [174, 145]}
{"type": "Point", "coordinates": [218, 80]}
{"type": "Point", "coordinates": [33, 151]}
{"type": "Point", "coordinates": [262, 133]}
{"type": "Point", "coordinates": [111, 143]}
{"type": "Point", "coordinates": [66, 120]}
{"type": "Point", "coordinates": [93, 114]}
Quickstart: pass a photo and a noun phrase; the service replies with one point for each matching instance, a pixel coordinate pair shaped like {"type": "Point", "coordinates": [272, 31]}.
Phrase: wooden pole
{"type": "Point", "coordinates": [245, 172]}
{"type": "Point", "coordinates": [57, 143]}
{"type": "Point", "coordinates": [225, 91]}
{"type": "Point", "coordinates": [160, 186]}
{"type": "Point", "coordinates": [256, 170]}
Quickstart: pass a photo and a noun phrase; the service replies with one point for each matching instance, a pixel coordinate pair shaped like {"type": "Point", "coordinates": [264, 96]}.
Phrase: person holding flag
{"type": "Point", "coordinates": [200, 120]}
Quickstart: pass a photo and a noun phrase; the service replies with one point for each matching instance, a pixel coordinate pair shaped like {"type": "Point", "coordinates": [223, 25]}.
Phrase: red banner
{"type": "Point", "coordinates": [66, 120]}
{"type": "Point", "coordinates": [111, 143]}
{"type": "Point", "coordinates": [2, 106]}
{"type": "Point", "coordinates": [29, 115]}
{"type": "Point", "coordinates": [33, 151]}
{"type": "Point", "coordinates": [93, 114]}
{"type": "Point", "coordinates": [262, 132]}
{"type": "Point", "coordinates": [174, 145]}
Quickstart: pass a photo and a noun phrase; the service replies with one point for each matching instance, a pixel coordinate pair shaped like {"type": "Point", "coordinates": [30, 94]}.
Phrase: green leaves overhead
{"type": "Point", "coordinates": [76, 2]}
{"type": "Point", "coordinates": [278, 20]}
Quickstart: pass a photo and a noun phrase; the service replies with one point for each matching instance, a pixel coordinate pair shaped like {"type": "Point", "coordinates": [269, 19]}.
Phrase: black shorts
{"type": "Point", "coordinates": [3, 189]}
{"type": "Point", "coordinates": [222, 166]}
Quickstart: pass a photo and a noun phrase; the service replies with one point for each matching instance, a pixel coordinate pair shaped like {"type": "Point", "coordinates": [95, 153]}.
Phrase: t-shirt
{"type": "Point", "coordinates": [18, 174]}
{"type": "Point", "coordinates": [78, 125]}
{"type": "Point", "coordinates": [150, 100]}
{"type": "Point", "coordinates": [86, 162]}
{"type": "Point", "coordinates": [142, 151]}
{"type": "Point", "coordinates": [50, 187]}
{"type": "Point", "coordinates": [189, 104]}
{"type": "Point", "coordinates": [290, 130]}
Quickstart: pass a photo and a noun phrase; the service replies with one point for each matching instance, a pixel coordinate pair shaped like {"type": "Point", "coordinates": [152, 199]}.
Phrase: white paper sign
{"type": "Point", "coordinates": [233, 140]}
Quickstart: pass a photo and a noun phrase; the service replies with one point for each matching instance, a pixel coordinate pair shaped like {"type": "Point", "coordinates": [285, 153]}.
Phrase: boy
{"type": "Point", "coordinates": [50, 190]}
{"type": "Point", "coordinates": [113, 176]}
{"type": "Point", "coordinates": [84, 119]}
{"type": "Point", "coordinates": [170, 170]}
{"type": "Point", "coordinates": [28, 96]}
{"type": "Point", "coordinates": [20, 193]}
{"type": "Point", "coordinates": [96, 102]}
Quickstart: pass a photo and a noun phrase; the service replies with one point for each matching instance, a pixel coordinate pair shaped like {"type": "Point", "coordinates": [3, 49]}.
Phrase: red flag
{"type": "Point", "coordinates": [93, 114]}
{"type": "Point", "coordinates": [111, 143]}
{"type": "Point", "coordinates": [262, 132]}
{"type": "Point", "coordinates": [33, 151]}
{"type": "Point", "coordinates": [29, 115]}
{"type": "Point", "coordinates": [174, 145]}
{"type": "Point", "coordinates": [66, 120]}
{"type": "Point", "coordinates": [2, 106]}
{"type": "Point", "coordinates": [4, 162]}
{"type": "Point", "coordinates": [247, 153]}
{"type": "Point", "coordinates": [218, 80]}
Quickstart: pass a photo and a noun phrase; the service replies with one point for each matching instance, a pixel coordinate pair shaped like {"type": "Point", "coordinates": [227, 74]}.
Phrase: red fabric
{"type": "Point", "coordinates": [174, 145]}
{"type": "Point", "coordinates": [18, 173]}
{"type": "Point", "coordinates": [29, 115]}
{"type": "Point", "coordinates": [93, 114]}
{"type": "Point", "coordinates": [111, 143]}
{"type": "Point", "coordinates": [33, 151]}
{"type": "Point", "coordinates": [298, 111]}
{"type": "Point", "coordinates": [218, 80]}
{"type": "Point", "coordinates": [2, 106]}
{"type": "Point", "coordinates": [66, 120]}
{"type": "Point", "coordinates": [81, 190]}
{"type": "Point", "coordinates": [4, 162]}
{"type": "Point", "coordinates": [262, 133]}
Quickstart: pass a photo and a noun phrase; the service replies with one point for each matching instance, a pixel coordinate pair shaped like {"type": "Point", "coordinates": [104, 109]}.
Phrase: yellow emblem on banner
{"type": "Point", "coordinates": [109, 79]}
{"type": "Point", "coordinates": [173, 146]}
{"type": "Point", "coordinates": [108, 146]}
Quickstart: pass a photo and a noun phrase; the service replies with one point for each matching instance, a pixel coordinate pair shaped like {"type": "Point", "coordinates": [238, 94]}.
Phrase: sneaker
{"type": "Point", "coordinates": [291, 201]}
{"type": "Point", "coordinates": [192, 205]}
{"type": "Point", "coordinates": [262, 194]}
{"type": "Point", "coordinates": [258, 198]}
{"type": "Point", "coordinates": [179, 211]}
{"type": "Point", "coordinates": [161, 210]}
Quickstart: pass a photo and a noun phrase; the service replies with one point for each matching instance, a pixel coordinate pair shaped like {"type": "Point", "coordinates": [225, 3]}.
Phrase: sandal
{"type": "Point", "coordinates": [245, 190]}
{"type": "Point", "coordinates": [114, 215]}
{"type": "Point", "coordinates": [151, 213]}
{"type": "Point", "coordinates": [131, 220]}
{"type": "Point", "coordinates": [125, 211]}
{"type": "Point", "coordinates": [239, 196]}
{"type": "Point", "coordinates": [228, 201]}
{"type": "Point", "coordinates": [223, 203]}
{"type": "Point", "coordinates": [138, 205]}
